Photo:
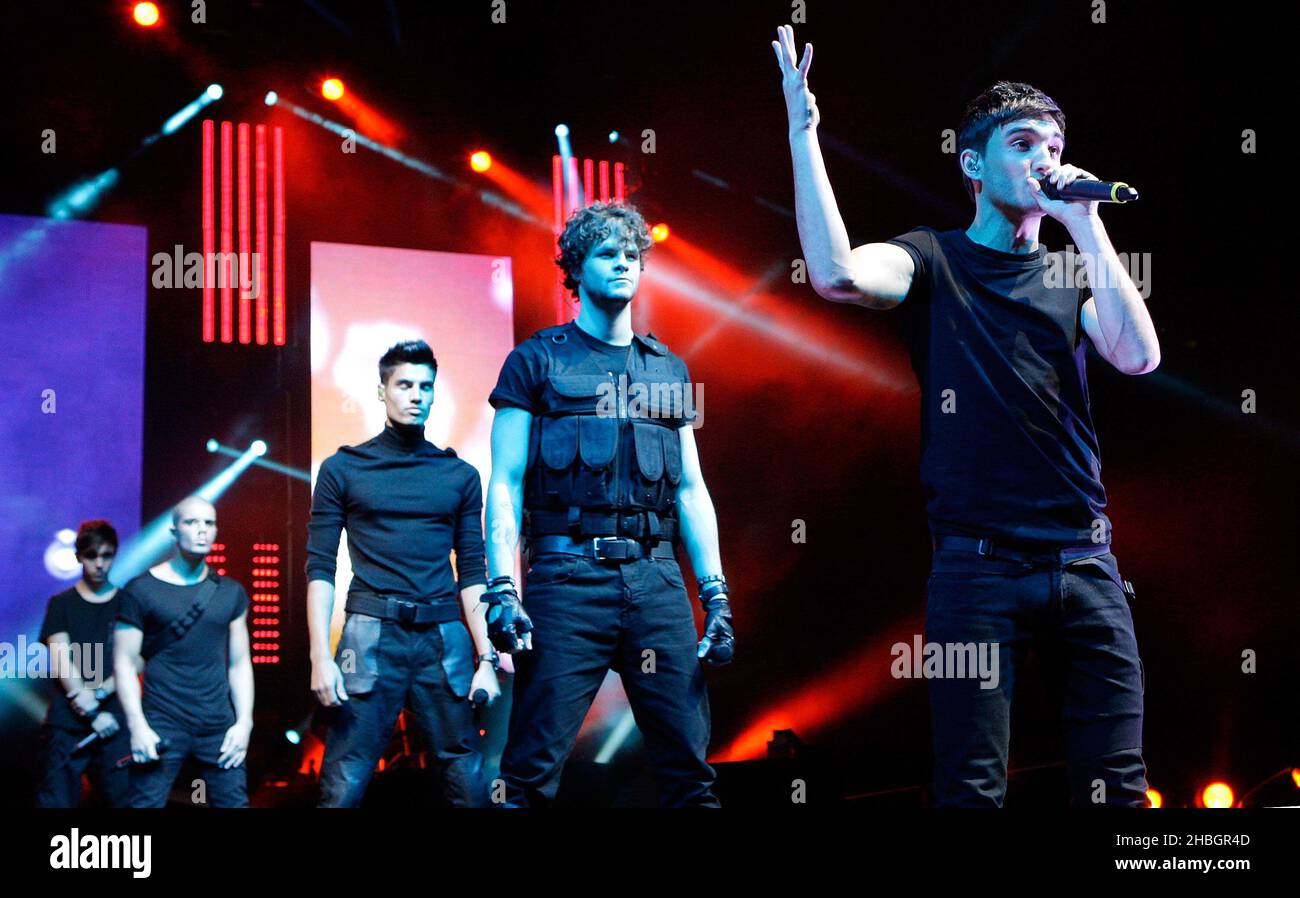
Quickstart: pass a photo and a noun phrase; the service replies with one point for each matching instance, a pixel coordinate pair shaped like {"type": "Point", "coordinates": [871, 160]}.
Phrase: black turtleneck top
{"type": "Point", "coordinates": [406, 505]}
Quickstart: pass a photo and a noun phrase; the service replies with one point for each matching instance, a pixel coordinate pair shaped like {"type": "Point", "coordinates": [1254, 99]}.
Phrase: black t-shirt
{"type": "Point", "coordinates": [524, 371]}
{"type": "Point", "coordinates": [89, 626]}
{"type": "Point", "coordinates": [187, 682]}
{"type": "Point", "coordinates": [1008, 447]}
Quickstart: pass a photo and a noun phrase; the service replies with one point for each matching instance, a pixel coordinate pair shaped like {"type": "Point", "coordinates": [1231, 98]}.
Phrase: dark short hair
{"type": "Point", "coordinates": [93, 535]}
{"type": "Point", "coordinates": [591, 226]}
{"type": "Point", "coordinates": [999, 104]}
{"type": "Point", "coordinates": [412, 352]}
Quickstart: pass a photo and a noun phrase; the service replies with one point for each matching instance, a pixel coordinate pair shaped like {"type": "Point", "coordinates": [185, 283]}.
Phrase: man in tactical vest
{"type": "Point", "coordinates": [593, 439]}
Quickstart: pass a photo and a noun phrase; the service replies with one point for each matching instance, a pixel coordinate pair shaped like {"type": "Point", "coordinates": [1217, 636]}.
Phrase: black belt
{"type": "Point", "coordinates": [988, 548]}
{"type": "Point", "coordinates": [577, 523]}
{"type": "Point", "coordinates": [601, 548]}
{"type": "Point", "coordinates": [402, 610]}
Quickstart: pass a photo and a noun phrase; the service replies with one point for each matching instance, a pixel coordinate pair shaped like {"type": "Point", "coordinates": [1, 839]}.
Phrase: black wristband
{"type": "Point", "coordinates": [713, 590]}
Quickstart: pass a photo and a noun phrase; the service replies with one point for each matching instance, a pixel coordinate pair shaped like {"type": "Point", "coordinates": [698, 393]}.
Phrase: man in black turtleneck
{"type": "Point", "coordinates": [406, 505]}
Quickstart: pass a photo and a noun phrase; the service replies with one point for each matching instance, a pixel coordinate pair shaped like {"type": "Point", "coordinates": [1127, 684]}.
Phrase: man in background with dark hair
{"type": "Point", "coordinates": [406, 505]}
{"type": "Point", "coordinates": [83, 617]}
{"type": "Point", "coordinates": [606, 487]}
{"type": "Point", "coordinates": [1009, 460]}
{"type": "Point", "coordinates": [191, 626]}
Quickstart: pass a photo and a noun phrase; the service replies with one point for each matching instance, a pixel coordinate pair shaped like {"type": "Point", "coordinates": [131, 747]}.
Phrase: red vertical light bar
{"type": "Point", "coordinates": [575, 199]}
{"type": "Point", "coordinates": [604, 180]}
{"type": "Point", "coordinates": [227, 214]}
{"type": "Point", "coordinates": [209, 237]}
{"type": "Point", "coordinates": [557, 195]}
{"type": "Point", "coordinates": [262, 236]}
{"type": "Point", "coordinates": [618, 182]}
{"type": "Point", "coordinates": [277, 298]}
{"type": "Point", "coordinates": [588, 182]}
{"type": "Point", "coordinates": [245, 239]}
{"type": "Point", "coordinates": [557, 191]}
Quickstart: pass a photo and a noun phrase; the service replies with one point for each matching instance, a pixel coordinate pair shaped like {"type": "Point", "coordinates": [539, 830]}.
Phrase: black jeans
{"type": "Point", "coordinates": [1078, 614]}
{"type": "Point", "coordinates": [589, 617]}
{"type": "Point", "coordinates": [61, 782]}
{"type": "Point", "coordinates": [151, 783]}
{"type": "Point", "coordinates": [426, 668]}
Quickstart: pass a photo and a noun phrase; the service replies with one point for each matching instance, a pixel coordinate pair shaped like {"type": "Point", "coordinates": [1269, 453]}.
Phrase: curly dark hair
{"type": "Point", "coordinates": [416, 352]}
{"type": "Point", "coordinates": [999, 104]}
{"type": "Point", "coordinates": [591, 226]}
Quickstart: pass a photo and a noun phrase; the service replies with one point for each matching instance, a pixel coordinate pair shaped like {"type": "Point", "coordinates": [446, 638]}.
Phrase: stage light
{"type": "Point", "coordinates": [145, 14]}
{"type": "Point", "coordinates": [154, 539]}
{"type": "Point", "coordinates": [210, 95]}
{"type": "Point", "coordinates": [271, 98]}
{"type": "Point", "coordinates": [293, 736]}
{"type": "Point", "coordinates": [1155, 799]}
{"type": "Point", "coordinates": [1217, 795]}
{"type": "Point", "coordinates": [613, 137]}
{"type": "Point", "coordinates": [659, 233]}
{"type": "Point", "coordinates": [257, 447]}
{"type": "Point", "coordinates": [331, 89]}
{"type": "Point", "coordinates": [1295, 776]}
{"type": "Point", "coordinates": [480, 161]}
{"type": "Point", "coordinates": [212, 445]}
{"type": "Point", "coordinates": [82, 197]}
{"type": "Point", "coordinates": [561, 131]}
{"type": "Point", "coordinates": [61, 556]}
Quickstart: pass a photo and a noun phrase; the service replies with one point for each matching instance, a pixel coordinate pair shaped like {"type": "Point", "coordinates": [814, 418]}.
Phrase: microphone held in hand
{"type": "Point", "coordinates": [161, 748]}
{"type": "Point", "coordinates": [479, 698]}
{"type": "Point", "coordinates": [1089, 189]}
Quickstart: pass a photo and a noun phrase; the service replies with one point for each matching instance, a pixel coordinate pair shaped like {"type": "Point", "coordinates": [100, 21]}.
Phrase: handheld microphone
{"type": "Point", "coordinates": [161, 748]}
{"type": "Point", "coordinates": [479, 698]}
{"type": "Point", "coordinates": [1089, 189]}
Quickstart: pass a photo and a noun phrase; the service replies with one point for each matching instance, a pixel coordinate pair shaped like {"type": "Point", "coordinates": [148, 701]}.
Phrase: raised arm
{"type": "Point", "coordinates": [875, 275]}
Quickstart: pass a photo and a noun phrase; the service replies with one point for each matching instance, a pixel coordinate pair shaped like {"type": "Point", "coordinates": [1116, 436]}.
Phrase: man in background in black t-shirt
{"type": "Point", "coordinates": [198, 686]}
{"type": "Point", "coordinates": [1009, 460]}
{"type": "Point", "coordinates": [606, 486]}
{"type": "Point", "coordinates": [83, 616]}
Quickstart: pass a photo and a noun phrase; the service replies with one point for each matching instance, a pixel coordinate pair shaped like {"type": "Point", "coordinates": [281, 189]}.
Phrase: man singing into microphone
{"type": "Point", "coordinates": [406, 505]}
{"type": "Point", "coordinates": [1009, 458]}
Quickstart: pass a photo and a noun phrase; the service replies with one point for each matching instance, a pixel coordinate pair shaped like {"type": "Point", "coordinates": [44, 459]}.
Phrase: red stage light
{"type": "Point", "coordinates": [1217, 795]}
{"type": "Point", "coordinates": [331, 89]}
{"type": "Point", "coordinates": [145, 14]}
{"type": "Point", "coordinates": [480, 161]}
{"type": "Point", "coordinates": [659, 233]}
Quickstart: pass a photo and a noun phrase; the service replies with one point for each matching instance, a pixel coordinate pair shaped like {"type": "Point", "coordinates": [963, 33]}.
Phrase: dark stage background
{"type": "Point", "coordinates": [811, 407]}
